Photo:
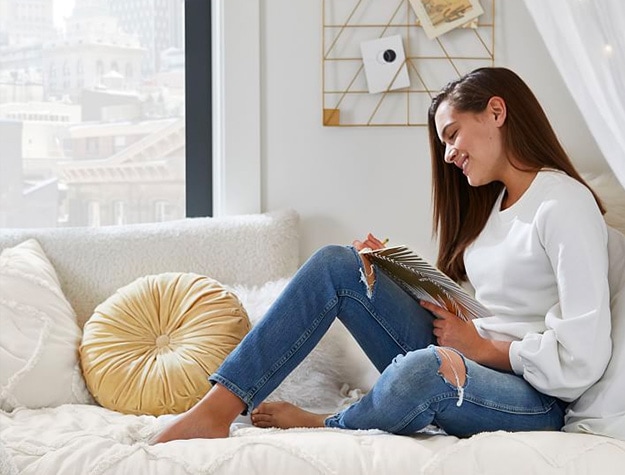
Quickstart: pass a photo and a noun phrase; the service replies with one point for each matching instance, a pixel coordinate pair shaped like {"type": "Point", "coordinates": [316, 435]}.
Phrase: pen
{"type": "Point", "coordinates": [385, 241]}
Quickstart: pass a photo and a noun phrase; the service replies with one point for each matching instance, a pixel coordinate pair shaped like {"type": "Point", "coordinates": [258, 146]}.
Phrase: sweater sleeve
{"type": "Point", "coordinates": [572, 353]}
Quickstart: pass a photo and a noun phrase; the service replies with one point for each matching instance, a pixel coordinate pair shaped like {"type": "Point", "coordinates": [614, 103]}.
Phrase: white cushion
{"type": "Point", "coordinates": [601, 409]}
{"type": "Point", "coordinates": [245, 249]}
{"type": "Point", "coordinates": [39, 337]}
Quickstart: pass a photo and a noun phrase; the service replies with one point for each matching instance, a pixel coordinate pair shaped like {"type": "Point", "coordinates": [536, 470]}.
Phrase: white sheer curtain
{"type": "Point", "coordinates": [586, 39]}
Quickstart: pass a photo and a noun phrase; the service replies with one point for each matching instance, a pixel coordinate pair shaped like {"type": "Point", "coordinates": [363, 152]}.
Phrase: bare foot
{"type": "Point", "coordinates": [208, 419]}
{"type": "Point", "coordinates": [285, 416]}
{"type": "Point", "coordinates": [191, 426]}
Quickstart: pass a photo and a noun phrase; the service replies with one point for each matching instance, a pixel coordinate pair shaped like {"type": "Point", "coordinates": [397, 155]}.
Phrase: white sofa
{"type": "Point", "coordinates": [254, 255]}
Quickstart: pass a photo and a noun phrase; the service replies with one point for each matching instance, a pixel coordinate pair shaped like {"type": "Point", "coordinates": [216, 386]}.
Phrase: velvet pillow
{"type": "Point", "coordinates": [39, 335]}
{"type": "Point", "coordinates": [150, 347]}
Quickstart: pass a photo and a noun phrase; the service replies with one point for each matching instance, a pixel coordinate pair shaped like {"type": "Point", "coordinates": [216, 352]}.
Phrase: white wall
{"type": "Point", "coordinates": [347, 181]}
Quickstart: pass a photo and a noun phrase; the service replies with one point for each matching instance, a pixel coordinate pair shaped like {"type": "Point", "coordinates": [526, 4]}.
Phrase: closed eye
{"type": "Point", "coordinates": [450, 138]}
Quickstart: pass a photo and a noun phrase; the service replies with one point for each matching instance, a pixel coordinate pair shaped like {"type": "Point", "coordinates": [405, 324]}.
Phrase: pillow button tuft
{"type": "Point", "coordinates": [162, 341]}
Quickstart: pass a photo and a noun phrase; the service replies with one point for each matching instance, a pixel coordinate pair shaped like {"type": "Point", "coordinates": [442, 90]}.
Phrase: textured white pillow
{"type": "Point", "coordinates": [601, 409]}
{"type": "Point", "coordinates": [39, 335]}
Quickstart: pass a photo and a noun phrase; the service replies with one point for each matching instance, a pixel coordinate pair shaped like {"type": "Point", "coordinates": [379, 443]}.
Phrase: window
{"type": "Point", "coordinates": [119, 143]}
{"type": "Point", "coordinates": [129, 71]}
{"type": "Point", "coordinates": [119, 212]}
{"type": "Point", "coordinates": [66, 75]}
{"type": "Point", "coordinates": [162, 211]}
{"type": "Point", "coordinates": [79, 74]}
{"type": "Point", "coordinates": [93, 214]}
{"type": "Point", "coordinates": [99, 68]}
{"type": "Point", "coordinates": [112, 128]}
{"type": "Point", "coordinates": [92, 147]}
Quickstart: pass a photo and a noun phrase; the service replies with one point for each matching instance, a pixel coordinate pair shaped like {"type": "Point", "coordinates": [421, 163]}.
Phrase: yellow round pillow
{"type": "Point", "coordinates": [150, 347]}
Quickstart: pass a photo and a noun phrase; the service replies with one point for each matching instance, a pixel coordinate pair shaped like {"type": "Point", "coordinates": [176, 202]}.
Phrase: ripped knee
{"type": "Point", "coordinates": [453, 369]}
{"type": "Point", "coordinates": [367, 275]}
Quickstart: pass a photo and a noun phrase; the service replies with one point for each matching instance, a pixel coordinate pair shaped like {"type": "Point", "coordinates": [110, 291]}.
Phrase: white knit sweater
{"type": "Point", "coordinates": [541, 267]}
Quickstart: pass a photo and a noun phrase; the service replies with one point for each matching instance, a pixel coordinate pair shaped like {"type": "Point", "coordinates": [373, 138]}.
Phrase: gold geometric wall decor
{"type": "Point", "coordinates": [431, 63]}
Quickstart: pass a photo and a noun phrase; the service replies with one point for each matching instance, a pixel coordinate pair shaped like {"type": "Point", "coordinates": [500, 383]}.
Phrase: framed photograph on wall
{"type": "Point", "coordinates": [440, 16]}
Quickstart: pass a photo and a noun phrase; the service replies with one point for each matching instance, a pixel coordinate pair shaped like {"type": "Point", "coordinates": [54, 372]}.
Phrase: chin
{"type": "Point", "coordinates": [472, 181]}
{"type": "Point", "coordinates": [476, 183]}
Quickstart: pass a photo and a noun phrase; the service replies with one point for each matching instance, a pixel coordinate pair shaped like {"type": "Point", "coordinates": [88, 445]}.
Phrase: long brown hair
{"type": "Point", "coordinates": [460, 211]}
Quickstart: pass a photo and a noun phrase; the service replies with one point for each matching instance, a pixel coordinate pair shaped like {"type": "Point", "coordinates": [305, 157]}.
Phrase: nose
{"type": "Point", "coordinates": [450, 154]}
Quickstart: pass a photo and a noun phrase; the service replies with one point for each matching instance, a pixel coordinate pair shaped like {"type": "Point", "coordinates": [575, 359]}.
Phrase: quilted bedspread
{"type": "Point", "coordinates": [84, 439]}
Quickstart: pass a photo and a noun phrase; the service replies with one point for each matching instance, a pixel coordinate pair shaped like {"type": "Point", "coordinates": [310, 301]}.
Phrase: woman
{"type": "Point", "coordinates": [514, 218]}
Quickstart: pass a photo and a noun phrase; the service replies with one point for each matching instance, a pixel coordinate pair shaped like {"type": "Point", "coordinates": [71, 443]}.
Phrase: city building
{"type": "Point", "coordinates": [131, 172]}
{"type": "Point", "coordinates": [90, 138]}
{"type": "Point", "coordinates": [157, 23]}
{"type": "Point", "coordinates": [25, 21]}
{"type": "Point", "coordinates": [93, 46]}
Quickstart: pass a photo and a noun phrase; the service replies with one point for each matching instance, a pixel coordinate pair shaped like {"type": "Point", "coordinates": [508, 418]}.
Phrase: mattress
{"type": "Point", "coordinates": [87, 439]}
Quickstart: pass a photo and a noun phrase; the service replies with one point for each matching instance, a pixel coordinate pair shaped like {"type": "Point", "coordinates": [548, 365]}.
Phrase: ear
{"type": "Point", "coordinates": [496, 109]}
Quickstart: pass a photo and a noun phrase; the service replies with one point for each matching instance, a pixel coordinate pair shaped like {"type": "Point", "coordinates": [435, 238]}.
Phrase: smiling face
{"type": "Point", "coordinates": [473, 141]}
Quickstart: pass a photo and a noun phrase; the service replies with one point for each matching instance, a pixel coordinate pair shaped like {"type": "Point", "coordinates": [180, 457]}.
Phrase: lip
{"type": "Point", "coordinates": [462, 163]}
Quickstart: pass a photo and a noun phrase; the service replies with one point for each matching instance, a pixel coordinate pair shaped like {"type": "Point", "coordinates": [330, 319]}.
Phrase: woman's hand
{"type": "Point", "coordinates": [451, 330]}
{"type": "Point", "coordinates": [370, 241]}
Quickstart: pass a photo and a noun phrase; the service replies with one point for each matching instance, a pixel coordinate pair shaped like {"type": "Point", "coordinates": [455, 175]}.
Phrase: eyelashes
{"type": "Point", "coordinates": [450, 138]}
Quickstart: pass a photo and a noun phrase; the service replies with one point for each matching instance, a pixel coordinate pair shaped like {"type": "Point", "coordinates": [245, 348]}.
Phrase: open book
{"type": "Point", "coordinates": [424, 281]}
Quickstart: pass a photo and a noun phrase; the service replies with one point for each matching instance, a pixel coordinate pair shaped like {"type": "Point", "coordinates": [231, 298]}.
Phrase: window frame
{"type": "Point", "coordinates": [198, 109]}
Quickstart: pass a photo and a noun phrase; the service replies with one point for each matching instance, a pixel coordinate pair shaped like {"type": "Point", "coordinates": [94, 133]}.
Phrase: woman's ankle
{"type": "Point", "coordinates": [220, 405]}
{"type": "Point", "coordinates": [210, 418]}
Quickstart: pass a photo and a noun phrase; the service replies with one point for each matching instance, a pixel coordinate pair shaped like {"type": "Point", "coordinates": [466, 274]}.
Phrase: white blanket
{"type": "Point", "coordinates": [83, 439]}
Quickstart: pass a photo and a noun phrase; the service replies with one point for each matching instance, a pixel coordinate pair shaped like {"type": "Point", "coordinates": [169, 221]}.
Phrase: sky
{"type": "Point", "coordinates": [62, 9]}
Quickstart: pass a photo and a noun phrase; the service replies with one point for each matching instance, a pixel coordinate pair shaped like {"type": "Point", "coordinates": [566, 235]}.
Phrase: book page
{"type": "Point", "coordinates": [424, 281]}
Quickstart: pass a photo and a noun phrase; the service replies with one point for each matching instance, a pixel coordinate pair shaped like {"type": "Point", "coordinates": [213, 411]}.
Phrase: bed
{"type": "Point", "coordinates": [75, 435]}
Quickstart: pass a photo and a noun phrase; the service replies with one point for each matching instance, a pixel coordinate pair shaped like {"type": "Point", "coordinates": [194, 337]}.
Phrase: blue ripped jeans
{"type": "Point", "coordinates": [396, 334]}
